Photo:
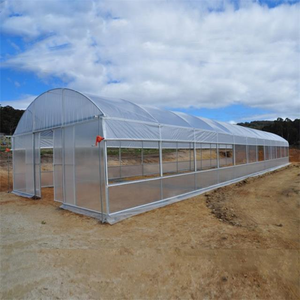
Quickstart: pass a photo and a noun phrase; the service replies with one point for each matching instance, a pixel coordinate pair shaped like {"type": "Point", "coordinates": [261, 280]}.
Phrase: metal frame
{"type": "Point", "coordinates": [106, 178]}
{"type": "Point", "coordinates": [100, 174]}
{"type": "Point", "coordinates": [37, 154]}
{"type": "Point", "coordinates": [33, 165]}
{"type": "Point", "coordinates": [13, 159]}
{"type": "Point", "coordinates": [74, 167]}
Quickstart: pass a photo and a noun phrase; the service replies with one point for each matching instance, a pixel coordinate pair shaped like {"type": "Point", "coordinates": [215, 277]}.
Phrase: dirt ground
{"type": "Point", "coordinates": [294, 154]}
{"type": "Point", "coordinates": [237, 242]}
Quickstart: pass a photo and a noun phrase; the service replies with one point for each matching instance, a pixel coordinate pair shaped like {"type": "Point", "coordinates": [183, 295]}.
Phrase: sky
{"type": "Point", "coordinates": [232, 61]}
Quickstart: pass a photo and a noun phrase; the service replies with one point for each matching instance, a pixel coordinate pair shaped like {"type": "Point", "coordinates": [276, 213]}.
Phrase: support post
{"type": "Point", "coordinates": [100, 182]}
{"type": "Point", "coordinates": [256, 147]}
{"type": "Point", "coordinates": [63, 146]}
{"type": "Point", "coordinates": [160, 163]}
{"type": "Point", "coordinates": [142, 158]}
{"type": "Point", "coordinates": [33, 165]}
{"type": "Point", "coordinates": [195, 166]}
{"type": "Point", "coordinates": [7, 171]}
{"type": "Point", "coordinates": [63, 163]}
{"type": "Point", "coordinates": [74, 166]}
{"type": "Point", "coordinates": [218, 156]}
{"type": "Point", "coordinates": [190, 158]}
{"type": "Point", "coordinates": [160, 160]}
{"type": "Point", "coordinates": [13, 160]}
{"type": "Point", "coordinates": [247, 151]}
{"type": "Point", "coordinates": [233, 153]}
{"type": "Point", "coordinates": [161, 169]}
{"type": "Point", "coordinates": [106, 177]}
{"type": "Point", "coordinates": [202, 156]}
{"type": "Point", "coordinates": [195, 157]}
{"type": "Point", "coordinates": [120, 159]}
{"type": "Point", "coordinates": [177, 168]}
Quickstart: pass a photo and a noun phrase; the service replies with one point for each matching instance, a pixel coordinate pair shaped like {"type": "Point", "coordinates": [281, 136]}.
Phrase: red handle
{"type": "Point", "coordinates": [99, 139]}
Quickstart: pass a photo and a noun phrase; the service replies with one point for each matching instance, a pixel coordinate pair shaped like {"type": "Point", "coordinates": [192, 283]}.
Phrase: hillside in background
{"type": "Point", "coordinates": [256, 124]}
{"type": "Point", "coordinates": [9, 118]}
{"type": "Point", "coordinates": [288, 129]}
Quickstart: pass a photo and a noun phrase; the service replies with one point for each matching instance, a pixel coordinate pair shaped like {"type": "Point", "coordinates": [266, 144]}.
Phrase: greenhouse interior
{"type": "Point", "coordinates": [111, 159]}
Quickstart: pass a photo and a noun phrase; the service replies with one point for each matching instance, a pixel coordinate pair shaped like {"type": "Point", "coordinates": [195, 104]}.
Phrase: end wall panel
{"type": "Point", "coordinates": [23, 168]}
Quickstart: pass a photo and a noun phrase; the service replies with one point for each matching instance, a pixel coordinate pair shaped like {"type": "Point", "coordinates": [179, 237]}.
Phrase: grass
{"type": "Point", "coordinates": [46, 151]}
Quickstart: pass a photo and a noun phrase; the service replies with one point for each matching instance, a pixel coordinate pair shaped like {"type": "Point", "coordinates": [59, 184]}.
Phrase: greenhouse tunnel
{"type": "Point", "coordinates": [111, 158]}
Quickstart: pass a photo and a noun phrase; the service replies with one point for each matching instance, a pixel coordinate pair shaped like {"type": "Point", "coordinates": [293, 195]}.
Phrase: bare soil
{"type": "Point", "coordinates": [237, 242]}
{"type": "Point", "coordinates": [294, 154]}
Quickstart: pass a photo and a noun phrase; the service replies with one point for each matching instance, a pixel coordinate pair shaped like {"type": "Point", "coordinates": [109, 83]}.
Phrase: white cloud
{"type": "Point", "coordinates": [175, 54]}
{"type": "Point", "coordinates": [21, 103]}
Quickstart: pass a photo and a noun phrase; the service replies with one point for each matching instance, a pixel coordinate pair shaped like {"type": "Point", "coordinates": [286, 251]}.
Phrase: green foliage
{"type": "Point", "coordinates": [256, 124]}
{"type": "Point", "coordinates": [46, 151]}
{"type": "Point", "coordinates": [288, 129]}
{"type": "Point", "coordinates": [9, 118]}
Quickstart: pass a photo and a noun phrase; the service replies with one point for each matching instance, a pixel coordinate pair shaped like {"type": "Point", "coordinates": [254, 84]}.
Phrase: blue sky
{"type": "Point", "coordinates": [226, 60]}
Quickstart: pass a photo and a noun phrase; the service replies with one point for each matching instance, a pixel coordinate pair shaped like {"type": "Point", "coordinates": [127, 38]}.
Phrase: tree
{"type": "Point", "coordinates": [288, 129]}
{"type": "Point", "coordinates": [9, 119]}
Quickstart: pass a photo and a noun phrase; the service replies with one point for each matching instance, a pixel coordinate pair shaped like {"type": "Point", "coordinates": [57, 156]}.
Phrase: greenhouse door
{"type": "Point", "coordinates": [37, 164]}
{"type": "Point", "coordinates": [26, 165]}
{"type": "Point", "coordinates": [76, 166]}
{"type": "Point", "coordinates": [63, 165]}
{"type": "Point", "coordinates": [87, 166]}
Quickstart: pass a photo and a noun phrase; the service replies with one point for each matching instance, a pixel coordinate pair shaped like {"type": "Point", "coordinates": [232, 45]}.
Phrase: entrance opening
{"type": "Point", "coordinates": [46, 162]}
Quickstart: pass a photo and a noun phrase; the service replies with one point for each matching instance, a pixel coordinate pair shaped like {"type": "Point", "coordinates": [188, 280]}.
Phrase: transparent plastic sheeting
{"type": "Point", "coordinates": [56, 108]}
{"type": "Point", "coordinates": [126, 120]}
{"type": "Point", "coordinates": [129, 195]}
{"type": "Point", "coordinates": [138, 197]}
{"type": "Point", "coordinates": [58, 179]}
{"type": "Point", "coordinates": [37, 165]}
{"type": "Point", "coordinates": [46, 141]}
{"type": "Point", "coordinates": [77, 166]}
{"type": "Point", "coordinates": [150, 157]}
{"type": "Point", "coordinates": [26, 180]}
{"type": "Point", "coordinates": [87, 167]}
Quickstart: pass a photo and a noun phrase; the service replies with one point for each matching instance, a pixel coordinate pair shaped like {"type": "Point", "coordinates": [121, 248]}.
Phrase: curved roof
{"type": "Point", "coordinates": [59, 107]}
